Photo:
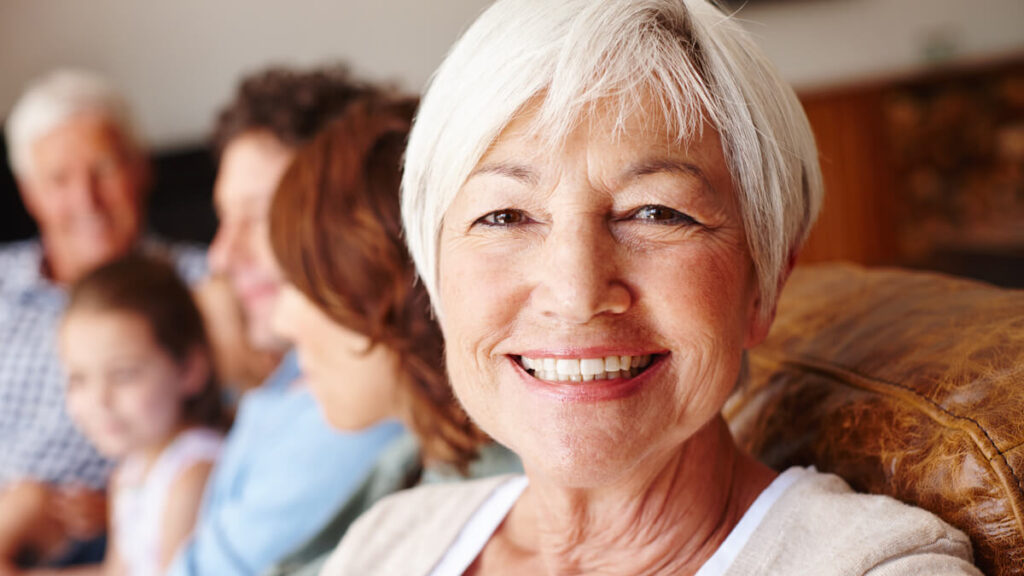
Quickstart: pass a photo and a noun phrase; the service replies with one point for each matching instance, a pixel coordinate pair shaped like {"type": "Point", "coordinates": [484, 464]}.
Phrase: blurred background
{"type": "Point", "coordinates": [918, 105]}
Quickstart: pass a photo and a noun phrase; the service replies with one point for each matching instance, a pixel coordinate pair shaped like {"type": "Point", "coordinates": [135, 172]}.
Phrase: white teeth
{"type": "Point", "coordinates": [591, 366]}
{"type": "Point", "coordinates": [585, 369]}
{"type": "Point", "coordinates": [611, 364]}
{"type": "Point", "coordinates": [568, 366]}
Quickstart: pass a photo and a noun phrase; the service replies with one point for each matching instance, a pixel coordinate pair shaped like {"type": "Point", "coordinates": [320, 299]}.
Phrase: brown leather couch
{"type": "Point", "coordinates": [904, 383]}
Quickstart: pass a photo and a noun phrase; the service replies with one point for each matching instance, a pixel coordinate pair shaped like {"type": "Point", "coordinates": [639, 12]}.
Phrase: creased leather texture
{"type": "Point", "coordinates": [904, 383]}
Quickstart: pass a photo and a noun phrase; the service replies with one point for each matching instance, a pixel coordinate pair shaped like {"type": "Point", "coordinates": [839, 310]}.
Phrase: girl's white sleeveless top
{"type": "Point", "coordinates": [140, 497]}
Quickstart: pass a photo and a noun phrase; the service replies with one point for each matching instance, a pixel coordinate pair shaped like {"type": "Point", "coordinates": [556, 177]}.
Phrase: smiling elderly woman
{"type": "Point", "coordinates": [603, 200]}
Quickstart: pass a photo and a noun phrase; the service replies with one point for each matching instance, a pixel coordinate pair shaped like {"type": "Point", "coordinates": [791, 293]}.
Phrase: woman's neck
{"type": "Point", "coordinates": [669, 521]}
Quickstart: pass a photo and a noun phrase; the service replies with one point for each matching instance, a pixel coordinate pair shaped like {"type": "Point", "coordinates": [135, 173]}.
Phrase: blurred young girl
{"type": "Point", "coordinates": [140, 386]}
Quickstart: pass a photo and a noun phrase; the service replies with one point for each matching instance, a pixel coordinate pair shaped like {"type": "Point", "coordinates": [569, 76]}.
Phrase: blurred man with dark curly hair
{"type": "Point", "coordinates": [283, 471]}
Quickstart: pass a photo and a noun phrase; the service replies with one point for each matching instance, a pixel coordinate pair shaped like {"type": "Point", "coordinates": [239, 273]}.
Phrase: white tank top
{"type": "Point", "coordinates": [140, 497]}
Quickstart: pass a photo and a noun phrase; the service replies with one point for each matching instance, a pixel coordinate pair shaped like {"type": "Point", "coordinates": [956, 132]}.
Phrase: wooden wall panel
{"type": "Point", "coordinates": [858, 220]}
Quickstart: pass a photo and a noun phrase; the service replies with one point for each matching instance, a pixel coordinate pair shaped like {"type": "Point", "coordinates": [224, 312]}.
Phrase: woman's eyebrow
{"type": "Point", "coordinates": [666, 165]}
{"type": "Point", "coordinates": [518, 172]}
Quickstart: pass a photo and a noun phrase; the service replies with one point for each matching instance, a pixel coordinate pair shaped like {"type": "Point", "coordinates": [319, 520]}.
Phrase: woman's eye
{"type": "Point", "coordinates": [505, 217]}
{"type": "Point", "coordinates": [662, 215]}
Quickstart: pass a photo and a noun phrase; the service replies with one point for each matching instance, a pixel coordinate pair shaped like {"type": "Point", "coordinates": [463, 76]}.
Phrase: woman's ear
{"type": "Point", "coordinates": [761, 320]}
{"type": "Point", "coordinates": [196, 371]}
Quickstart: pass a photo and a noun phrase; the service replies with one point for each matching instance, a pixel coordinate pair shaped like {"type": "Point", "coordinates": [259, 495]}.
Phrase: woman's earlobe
{"type": "Point", "coordinates": [759, 322]}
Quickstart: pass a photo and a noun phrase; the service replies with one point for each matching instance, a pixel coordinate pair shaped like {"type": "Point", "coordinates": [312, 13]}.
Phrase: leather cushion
{"type": "Point", "coordinates": [904, 383]}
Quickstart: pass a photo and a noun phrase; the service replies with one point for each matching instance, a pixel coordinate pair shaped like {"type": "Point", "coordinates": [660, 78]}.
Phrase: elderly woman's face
{"type": "Point", "coordinates": [596, 300]}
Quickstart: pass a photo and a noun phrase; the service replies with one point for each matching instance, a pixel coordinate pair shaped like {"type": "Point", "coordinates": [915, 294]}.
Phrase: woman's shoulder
{"type": "Point", "coordinates": [821, 522]}
{"type": "Point", "coordinates": [409, 531]}
{"type": "Point", "coordinates": [829, 500]}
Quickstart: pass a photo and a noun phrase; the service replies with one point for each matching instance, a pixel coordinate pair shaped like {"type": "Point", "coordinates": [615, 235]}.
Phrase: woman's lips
{"type": "Point", "coordinates": [605, 367]}
{"type": "Point", "coordinates": [623, 383]}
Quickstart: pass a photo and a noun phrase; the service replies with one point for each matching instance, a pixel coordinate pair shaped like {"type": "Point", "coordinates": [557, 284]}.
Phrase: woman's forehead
{"type": "Point", "coordinates": [643, 118]}
{"type": "Point", "coordinates": [636, 142]}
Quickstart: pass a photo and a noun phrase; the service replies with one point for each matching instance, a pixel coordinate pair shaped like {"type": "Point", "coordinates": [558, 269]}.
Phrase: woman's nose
{"type": "Point", "coordinates": [579, 275]}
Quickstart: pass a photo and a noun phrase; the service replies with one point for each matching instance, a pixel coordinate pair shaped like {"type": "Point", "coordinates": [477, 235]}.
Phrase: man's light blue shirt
{"type": "Point", "coordinates": [282, 473]}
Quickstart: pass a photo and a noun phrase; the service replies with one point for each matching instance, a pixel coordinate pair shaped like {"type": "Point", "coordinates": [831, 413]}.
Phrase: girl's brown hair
{"type": "Point", "coordinates": [150, 287]}
{"type": "Point", "coordinates": [336, 229]}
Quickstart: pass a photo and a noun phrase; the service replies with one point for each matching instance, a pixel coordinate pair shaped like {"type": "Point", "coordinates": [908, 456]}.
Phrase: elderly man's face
{"type": "Point", "coordinates": [250, 169]}
{"type": "Point", "coordinates": [597, 300]}
{"type": "Point", "coordinates": [84, 188]}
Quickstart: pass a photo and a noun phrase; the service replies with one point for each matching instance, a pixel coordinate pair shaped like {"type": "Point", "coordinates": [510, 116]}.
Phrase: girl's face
{"type": "Point", "coordinates": [124, 391]}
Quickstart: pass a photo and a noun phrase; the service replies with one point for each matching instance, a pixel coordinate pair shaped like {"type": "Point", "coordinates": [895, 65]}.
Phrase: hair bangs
{"type": "Point", "coordinates": [636, 66]}
{"type": "Point", "coordinates": [677, 65]}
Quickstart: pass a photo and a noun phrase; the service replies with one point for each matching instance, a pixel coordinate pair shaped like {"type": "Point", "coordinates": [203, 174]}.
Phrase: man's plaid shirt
{"type": "Point", "coordinates": [38, 441]}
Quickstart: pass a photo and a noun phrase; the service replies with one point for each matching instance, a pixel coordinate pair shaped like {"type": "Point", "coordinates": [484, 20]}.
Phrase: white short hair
{"type": "Point", "coordinates": [701, 67]}
{"type": "Point", "coordinates": [52, 100]}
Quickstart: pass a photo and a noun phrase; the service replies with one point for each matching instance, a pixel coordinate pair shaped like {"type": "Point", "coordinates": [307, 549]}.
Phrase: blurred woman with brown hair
{"type": "Point", "coordinates": [361, 324]}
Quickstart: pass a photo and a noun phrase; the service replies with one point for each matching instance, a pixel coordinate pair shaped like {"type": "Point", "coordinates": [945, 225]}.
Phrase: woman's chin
{"type": "Point", "coordinates": [581, 469]}
{"type": "Point", "coordinates": [583, 457]}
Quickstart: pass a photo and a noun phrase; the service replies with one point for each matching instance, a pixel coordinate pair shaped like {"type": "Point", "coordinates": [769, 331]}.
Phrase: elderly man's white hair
{"type": "Point", "coordinates": [52, 100]}
{"type": "Point", "coordinates": [697, 65]}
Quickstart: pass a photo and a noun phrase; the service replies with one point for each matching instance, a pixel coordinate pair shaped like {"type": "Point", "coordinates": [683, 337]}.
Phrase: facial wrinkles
{"type": "Point", "coordinates": [578, 199]}
{"type": "Point", "coordinates": [649, 527]}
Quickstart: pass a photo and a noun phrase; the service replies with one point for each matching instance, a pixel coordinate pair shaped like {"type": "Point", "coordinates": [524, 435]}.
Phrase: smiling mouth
{"type": "Point", "coordinates": [586, 369]}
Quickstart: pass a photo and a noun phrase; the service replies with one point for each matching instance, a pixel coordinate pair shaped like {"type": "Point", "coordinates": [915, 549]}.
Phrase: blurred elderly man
{"type": "Point", "coordinates": [82, 176]}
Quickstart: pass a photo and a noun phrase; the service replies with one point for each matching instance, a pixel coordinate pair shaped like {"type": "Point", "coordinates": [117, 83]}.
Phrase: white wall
{"type": "Point", "coordinates": [178, 60]}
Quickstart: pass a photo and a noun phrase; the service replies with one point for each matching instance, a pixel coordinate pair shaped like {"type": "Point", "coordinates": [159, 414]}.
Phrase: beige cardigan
{"type": "Point", "coordinates": [818, 527]}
